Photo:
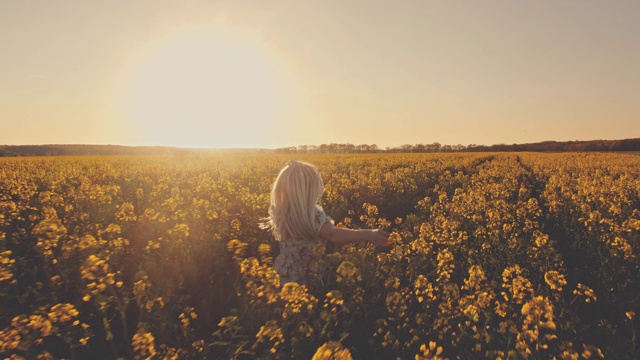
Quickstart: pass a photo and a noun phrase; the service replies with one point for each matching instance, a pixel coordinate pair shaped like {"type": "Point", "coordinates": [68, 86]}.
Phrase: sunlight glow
{"type": "Point", "coordinates": [206, 87]}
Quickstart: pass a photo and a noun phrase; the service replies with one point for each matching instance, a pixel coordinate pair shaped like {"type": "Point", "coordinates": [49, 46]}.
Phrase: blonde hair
{"type": "Point", "coordinates": [294, 198]}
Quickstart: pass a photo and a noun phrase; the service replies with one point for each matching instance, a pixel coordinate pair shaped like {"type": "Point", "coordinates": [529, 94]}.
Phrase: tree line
{"type": "Point", "coordinates": [80, 149]}
{"type": "Point", "coordinates": [546, 146]}
{"type": "Point", "coordinates": [332, 148]}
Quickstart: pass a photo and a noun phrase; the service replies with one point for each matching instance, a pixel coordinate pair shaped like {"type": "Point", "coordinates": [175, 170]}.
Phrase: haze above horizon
{"type": "Point", "coordinates": [252, 74]}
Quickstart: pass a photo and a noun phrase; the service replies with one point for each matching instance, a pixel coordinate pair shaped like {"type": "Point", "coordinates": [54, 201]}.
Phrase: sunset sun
{"type": "Point", "coordinates": [202, 87]}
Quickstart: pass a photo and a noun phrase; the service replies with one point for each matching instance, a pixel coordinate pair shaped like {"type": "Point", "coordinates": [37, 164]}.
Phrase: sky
{"type": "Point", "coordinates": [269, 74]}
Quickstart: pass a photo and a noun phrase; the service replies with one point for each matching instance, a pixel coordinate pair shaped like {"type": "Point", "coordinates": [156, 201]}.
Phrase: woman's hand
{"type": "Point", "coordinates": [379, 237]}
{"type": "Point", "coordinates": [342, 236]}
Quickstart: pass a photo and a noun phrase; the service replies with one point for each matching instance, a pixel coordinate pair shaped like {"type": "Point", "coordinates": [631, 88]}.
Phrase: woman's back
{"type": "Point", "coordinates": [297, 251]}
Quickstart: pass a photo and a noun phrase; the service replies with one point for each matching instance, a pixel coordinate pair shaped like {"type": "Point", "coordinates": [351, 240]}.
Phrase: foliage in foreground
{"type": "Point", "coordinates": [494, 256]}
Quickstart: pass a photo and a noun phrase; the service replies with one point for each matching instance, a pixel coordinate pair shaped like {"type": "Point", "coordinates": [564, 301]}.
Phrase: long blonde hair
{"type": "Point", "coordinates": [294, 198]}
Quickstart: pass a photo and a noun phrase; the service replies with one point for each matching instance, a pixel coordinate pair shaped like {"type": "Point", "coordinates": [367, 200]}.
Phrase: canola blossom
{"type": "Point", "coordinates": [500, 256]}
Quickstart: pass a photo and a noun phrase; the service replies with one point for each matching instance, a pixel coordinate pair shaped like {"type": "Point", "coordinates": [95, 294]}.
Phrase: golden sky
{"type": "Point", "coordinates": [268, 74]}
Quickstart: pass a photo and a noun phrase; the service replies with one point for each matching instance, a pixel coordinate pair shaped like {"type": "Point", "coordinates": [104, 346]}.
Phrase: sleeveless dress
{"type": "Point", "coordinates": [296, 253]}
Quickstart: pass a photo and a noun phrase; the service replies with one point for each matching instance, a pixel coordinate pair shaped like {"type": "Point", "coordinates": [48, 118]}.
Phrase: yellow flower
{"type": "Point", "coordinates": [555, 280]}
{"type": "Point", "coordinates": [433, 352]}
{"type": "Point", "coordinates": [519, 288]}
{"type": "Point", "coordinates": [590, 352]}
{"type": "Point", "coordinates": [296, 298]}
{"type": "Point", "coordinates": [446, 265]}
{"type": "Point", "coordinates": [237, 247]}
{"type": "Point", "coordinates": [396, 304]}
{"type": "Point", "coordinates": [348, 272]}
{"type": "Point", "coordinates": [198, 345]}
{"type": "Point", "coordinates": [187, 315]}
{"type": "Point", "coordinates": [332, 350]}
{"type": "Point", "coordinates": [270, 333]}
{"type": "Point", "coordinates": [62, 313]}
{"type": "Point", "coordinates": [144, 346]}
{"type": "Point", "coordinates": [423, 289]}
{"type": "Point", "coordinates": [334, 302]}
{"type": "Point", "coordinates": [6, 262]}
{"type": "Point", "coordinates": [41, 324]}
{"type": "Point", "coordinates": [587, 292]}
{"type": "Point", "coordinates": [264, 249]}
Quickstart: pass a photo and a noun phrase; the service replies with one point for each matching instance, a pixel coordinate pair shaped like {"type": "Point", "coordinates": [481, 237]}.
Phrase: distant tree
{"type": "Point", "coordinates": [631, 144]}
{"type": "Point", "coordinates": [406, 148]}
{"type": "Point", "coordinates": [435, 147]}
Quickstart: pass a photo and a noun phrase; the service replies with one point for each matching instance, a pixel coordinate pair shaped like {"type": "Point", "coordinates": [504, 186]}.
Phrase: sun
{"type": "Point", "coordinates": [204, 87]}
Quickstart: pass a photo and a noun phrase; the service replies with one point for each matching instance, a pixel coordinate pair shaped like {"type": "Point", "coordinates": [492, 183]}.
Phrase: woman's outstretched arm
{"type": "Point", "coordinates": [341, 236]}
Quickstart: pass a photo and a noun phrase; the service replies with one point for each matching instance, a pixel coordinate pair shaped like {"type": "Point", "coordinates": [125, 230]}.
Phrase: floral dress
{"type": "Point", "coordinates": [295, 254]}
